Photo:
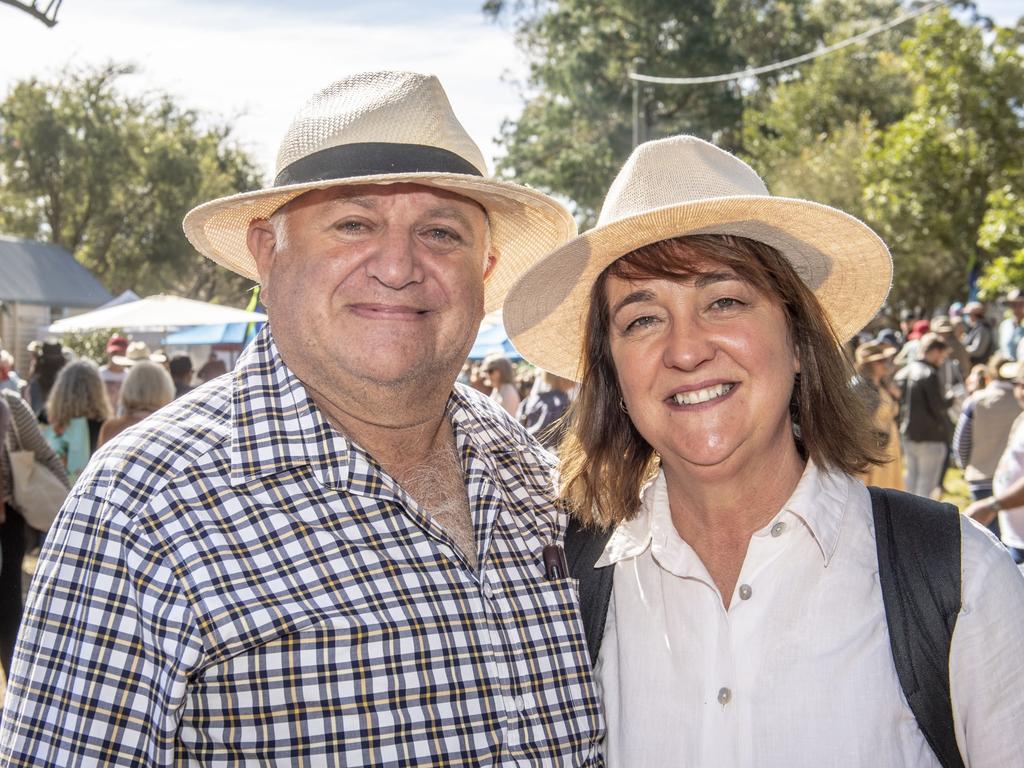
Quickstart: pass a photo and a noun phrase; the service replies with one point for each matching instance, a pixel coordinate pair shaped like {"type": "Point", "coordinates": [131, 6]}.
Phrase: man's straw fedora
{"type": "Point", "coordinates": [386, 128]}
{"type": "Point", "coordinates": [685, 186]}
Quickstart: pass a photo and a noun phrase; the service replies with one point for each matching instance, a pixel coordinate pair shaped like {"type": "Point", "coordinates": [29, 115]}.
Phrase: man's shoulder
{"type": "Point", "coordinates": [148, 455]}
{"type": "Point", "coordinates": [493, 427]}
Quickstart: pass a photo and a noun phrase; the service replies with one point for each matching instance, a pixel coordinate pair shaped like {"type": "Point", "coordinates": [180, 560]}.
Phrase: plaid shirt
{"type": "Point", "coordinates": [232, 583]}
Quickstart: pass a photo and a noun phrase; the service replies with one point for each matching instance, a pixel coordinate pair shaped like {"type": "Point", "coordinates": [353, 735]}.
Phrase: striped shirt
{"type": "Point", "coordinates": [233, 583]}
{"type": "Point", "coordinates": [24, 435]}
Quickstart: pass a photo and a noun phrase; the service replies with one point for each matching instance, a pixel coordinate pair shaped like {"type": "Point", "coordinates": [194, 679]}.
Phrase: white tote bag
{"type": "Point", "coordinates": [38, 495]}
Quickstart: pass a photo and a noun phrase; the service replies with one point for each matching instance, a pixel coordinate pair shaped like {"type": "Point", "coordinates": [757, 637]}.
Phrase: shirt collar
{"type": "Point", "coordinates": [275, 425]}
{"type": "Point", "coordinates": [819, 501]}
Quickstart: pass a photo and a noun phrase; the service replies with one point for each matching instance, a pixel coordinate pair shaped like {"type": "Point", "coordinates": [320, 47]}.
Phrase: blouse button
{"type": "Point", "coordinates": [724, 696]}
{"type": "Point", "coordinates": [777, 529]}
{"type": "Point", "coordinates": [745, 591]}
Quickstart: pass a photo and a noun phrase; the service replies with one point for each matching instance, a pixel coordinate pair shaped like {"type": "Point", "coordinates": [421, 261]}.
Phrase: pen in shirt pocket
{"type": "Point", "coordinates": [555, 567]}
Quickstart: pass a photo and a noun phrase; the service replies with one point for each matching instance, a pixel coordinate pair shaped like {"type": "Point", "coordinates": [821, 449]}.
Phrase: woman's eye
{"type": "Point", "coordinates": [644, 321]}
{"type": "Point", "coordinates": [726, 302]}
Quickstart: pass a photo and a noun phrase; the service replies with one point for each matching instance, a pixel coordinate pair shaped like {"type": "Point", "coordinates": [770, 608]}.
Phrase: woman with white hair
{"type": "Point", "coordinates": [147, 388]}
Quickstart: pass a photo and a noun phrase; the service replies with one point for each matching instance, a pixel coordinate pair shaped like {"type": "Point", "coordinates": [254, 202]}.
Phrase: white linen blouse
{"type": "Point", "coordinates": [798, 671]}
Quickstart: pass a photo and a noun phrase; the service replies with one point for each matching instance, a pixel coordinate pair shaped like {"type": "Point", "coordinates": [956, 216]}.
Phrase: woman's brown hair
{"type": "Point", "coordinates": [605, 460]}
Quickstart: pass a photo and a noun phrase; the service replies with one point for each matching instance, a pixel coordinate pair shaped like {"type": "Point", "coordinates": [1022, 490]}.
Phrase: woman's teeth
{"type": "Point", "coordinates": [696, 396]}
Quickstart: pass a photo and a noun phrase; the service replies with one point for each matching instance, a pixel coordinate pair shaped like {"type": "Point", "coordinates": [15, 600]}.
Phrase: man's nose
{"type": "Point", "coordinates": [395, 262]}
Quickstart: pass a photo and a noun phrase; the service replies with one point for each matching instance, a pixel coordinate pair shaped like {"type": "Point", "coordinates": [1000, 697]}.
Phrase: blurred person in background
{"type": "Point", "coordinates": [1011, 332]}
{"type": "Point", "coordinates": [212, 368]}
{"type": "Point", "coordinates": [9, 378]}
{"type": "Point", "coordinates": [924, 416]}
{"type": "Point", "coordinates": [909, 350]}
{"type": "Point", "coordinates": [147, 388]}
{"type": "Point", "coordinates": [1004, 507]}
{"type": "Point", "coordinates": [76, 410]}
{"type": "Point", "coordinates": [541, 412]}
{"type": "Point", "coordinates": [16, 537]}
{"type": "Point", "coordinates": [111, 372]}
{"type": "Point", "coordinates": [180, 369]}
{"type": "Point", "coordinates": [501, 378]}
{"type": "Point", "coordinates": [47, 360]}
{"type": "Point", "coordinates": [874, 367]}
{"type": "Point", "coordinates": [979, 340]}
{"type": "Point", "coordinates": [983, 430]}
{"type": "Point", "coordinates": [977, 379]}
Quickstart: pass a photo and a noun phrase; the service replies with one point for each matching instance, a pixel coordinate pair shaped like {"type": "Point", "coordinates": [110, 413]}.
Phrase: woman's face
{"type": "Point", "coordinates": [706, 368]}
{"type": "Point", "coordinates": [493, 376]}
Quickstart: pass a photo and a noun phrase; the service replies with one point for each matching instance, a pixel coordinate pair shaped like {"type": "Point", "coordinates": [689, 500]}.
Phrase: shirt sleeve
{"type": "Point", "coordinates": [963, 437]}
{"type": "Point", "coordinates": [30, 438]}
{"type": "Point", "coordinates": [986, 674]}
{"type": "Point", "coordinates": [105, 650]}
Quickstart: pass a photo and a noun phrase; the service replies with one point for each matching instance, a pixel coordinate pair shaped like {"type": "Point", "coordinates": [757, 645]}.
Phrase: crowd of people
{"type": "Point", "coordinates": [336, 555]}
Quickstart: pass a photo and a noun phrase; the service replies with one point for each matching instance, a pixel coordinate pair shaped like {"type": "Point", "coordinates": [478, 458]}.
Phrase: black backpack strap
{"type": "Point", "coordinates": [583, 546]}
{"type": "Point", "coordinates": [919, 558]}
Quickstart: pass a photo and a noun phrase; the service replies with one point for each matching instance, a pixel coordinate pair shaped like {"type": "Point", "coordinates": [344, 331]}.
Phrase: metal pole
{"type": "Point", "coordinates": [637, 64]}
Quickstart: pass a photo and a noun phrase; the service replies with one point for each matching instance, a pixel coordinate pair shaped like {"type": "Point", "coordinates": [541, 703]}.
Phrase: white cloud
{"type": "Point", "coordinates": [255, 67]}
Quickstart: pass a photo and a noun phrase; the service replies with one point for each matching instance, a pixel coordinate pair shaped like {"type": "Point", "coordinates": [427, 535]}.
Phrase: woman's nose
{"type": "Point", "coordinates": [688, 344]}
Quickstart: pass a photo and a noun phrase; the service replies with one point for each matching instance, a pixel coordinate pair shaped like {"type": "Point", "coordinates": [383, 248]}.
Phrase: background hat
{"type": "Point", "coordinates": [685, 186]}
{"type": "Point", "coordinates": [1014, 296]}
{"type": "Point", "coordinates": [874, 351]}
{"type": "Point", "coordinates": [137, 350]}
{"type": "Point", "coordinates": [1011, 371]}
{"type": "Point", "coordinates": [918, 329]}
{"type": "Point", "coordinates": [941, 324]}
{"type": "Point", "coordinates": [117, 344]}
{"type": "Point", "coordinates": [386, 128]}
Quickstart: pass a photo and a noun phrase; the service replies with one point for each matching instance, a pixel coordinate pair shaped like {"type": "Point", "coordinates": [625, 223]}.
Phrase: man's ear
{"type": "Point", "coordinates": [262, 242]}
{"type": "Point", "coordinates": [492, 262]}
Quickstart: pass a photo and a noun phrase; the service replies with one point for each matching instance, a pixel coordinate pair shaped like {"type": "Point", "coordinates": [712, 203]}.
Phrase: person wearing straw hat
{"type": "Point", "coordinates": [874, 368]}
{"type": "Point", "coordinates": [710, 464]}
{"type": "Point", "coordinates": [333, 555]}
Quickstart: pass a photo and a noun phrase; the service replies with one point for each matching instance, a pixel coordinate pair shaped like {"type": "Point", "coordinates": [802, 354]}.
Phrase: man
{"type": "Point", "coordinates": [979, 340]}
{"type": "Point", "coordinates": [180, 368]}
{"type": "Point", "coordinates": [9, 378]}
{"type": "Point", "coordinates": [1010, 329]}
{"type": "Point", "coordinates": [112, 373]}
{"type": "Point", "coordinates": [924, 420]}
{"type": "Point", "coordinates": [330, 556]}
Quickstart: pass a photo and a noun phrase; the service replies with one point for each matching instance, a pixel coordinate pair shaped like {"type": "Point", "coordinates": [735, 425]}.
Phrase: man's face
{"type": "Point", "coordinates": [373, 285]}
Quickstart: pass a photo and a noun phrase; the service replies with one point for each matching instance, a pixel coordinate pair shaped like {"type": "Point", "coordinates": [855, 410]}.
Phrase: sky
{"type": "Point", "coordinates": [252, 64]}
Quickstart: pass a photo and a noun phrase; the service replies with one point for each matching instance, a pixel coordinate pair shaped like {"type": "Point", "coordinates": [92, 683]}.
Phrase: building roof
{"type": "Point", "coordinates": [42, 273]}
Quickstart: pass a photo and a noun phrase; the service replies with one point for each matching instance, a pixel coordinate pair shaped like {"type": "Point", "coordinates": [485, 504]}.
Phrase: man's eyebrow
{"type": "Point", "coordinates": [450, 212]}
{"type": "Point", "coordinates": [363, 201]}
{"type": "Point", "coordinates": [633, 298]}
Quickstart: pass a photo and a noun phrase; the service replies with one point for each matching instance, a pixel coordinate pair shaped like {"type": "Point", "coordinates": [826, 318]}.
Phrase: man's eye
{"type": "Point", "coordinates": [443, 234]}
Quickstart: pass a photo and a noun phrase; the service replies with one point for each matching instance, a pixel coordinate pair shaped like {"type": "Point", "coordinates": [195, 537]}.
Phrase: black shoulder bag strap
{"type": "Point", "coordinates": [583, 546]}
{"type": "Point", "coordinates": [918, 543]}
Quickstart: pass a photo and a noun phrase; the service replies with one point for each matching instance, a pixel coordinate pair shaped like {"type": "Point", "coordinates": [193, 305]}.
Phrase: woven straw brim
{"type": "Point", "coordinates": [840, 258]}
{"type": "Point", "coordinates": [525, 225]}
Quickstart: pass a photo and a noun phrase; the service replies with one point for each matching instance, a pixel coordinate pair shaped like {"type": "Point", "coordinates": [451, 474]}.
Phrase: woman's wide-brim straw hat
{"type": "Point", "coordinates": [685, 186]}
{"type": "Point", "coordinates": [386, 128]}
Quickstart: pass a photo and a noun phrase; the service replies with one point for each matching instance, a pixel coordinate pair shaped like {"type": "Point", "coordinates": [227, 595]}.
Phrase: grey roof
{"type": "Point", "coordinates": [42, 273]}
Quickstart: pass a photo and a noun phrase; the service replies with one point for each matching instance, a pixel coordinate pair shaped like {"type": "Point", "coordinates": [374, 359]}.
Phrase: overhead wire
{"type": "Point", "coordinates": [754, 71]}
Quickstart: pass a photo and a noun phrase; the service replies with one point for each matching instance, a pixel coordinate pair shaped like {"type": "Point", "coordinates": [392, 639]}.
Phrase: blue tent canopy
{"type": "Point", "coordinates": [493, 339]}
{"type": "Point", "coordinates": [230, 333]}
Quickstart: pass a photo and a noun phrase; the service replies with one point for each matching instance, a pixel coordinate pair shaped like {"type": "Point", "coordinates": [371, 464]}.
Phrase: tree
{"type": "Point", "coordinates": [110, 177]}
{"type": "Point", "coordinates": [575, 129]}
{"type": "Point", "coordinates": [915, 139]}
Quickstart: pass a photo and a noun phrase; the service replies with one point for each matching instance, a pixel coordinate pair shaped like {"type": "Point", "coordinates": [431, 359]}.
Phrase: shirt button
{"type": "Point", "coordinates": [488, 591]}
{"type": "Point", "coordinates": [745, 591]}
{"type": "Point", "coordinates": [520, 704]}
{"type": "Point", "coordinates": [777, 529]}
{"type": "Point", "coordinates": [724, 696]}
{"type": "Point", "coordinates": [510, 704]}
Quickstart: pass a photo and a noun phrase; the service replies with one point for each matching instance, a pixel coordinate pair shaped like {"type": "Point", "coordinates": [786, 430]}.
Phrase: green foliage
{"type": "Point", "coordinates": [575, 129]}
{"type": "Point", "coordinates": [1002, 236]}
{"type": "Point", "coordinates": [917, 140]}
{"type": "Point", "coordinates": [110, 176]}
{"type": "Point", "coordinates": [90, 344]}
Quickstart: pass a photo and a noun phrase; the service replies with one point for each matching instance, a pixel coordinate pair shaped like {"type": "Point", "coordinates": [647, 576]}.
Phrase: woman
{"type": "Point", "coordinates": [147, 388]}
{"type": "Point", "coordinates": [76, 410]}
{"type": "Point", "coordinates": [502, 380]}
{"type": "Point", "coordinates": [874, 366]}
{"type": "Point", "coordinates": [15, 536]}
{"type": "Point", "coordinates": [716, 432]}
{"type": "Point", "coordinates": [47, 360]}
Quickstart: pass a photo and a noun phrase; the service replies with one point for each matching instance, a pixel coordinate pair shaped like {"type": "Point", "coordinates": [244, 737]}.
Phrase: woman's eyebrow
{"type": "Point", "coordinates": [633, 298]}
{"type": "Point", "coordinates": [709, 278]}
